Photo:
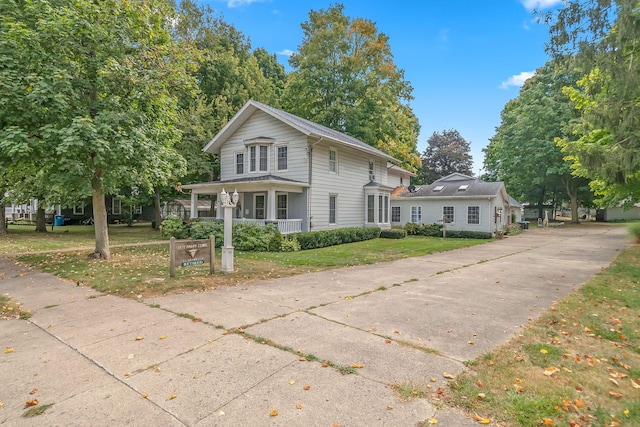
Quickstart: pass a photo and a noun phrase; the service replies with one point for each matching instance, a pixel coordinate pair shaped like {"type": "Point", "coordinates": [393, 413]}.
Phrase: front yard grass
{"type": "Point", "coordinates": [576, 365]}
{"type": "Point", "coordinates": [144, 270]}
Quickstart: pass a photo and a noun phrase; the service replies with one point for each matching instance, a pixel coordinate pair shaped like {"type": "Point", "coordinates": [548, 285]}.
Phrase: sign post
{"type": "Point", "coordinates": [184, 253]}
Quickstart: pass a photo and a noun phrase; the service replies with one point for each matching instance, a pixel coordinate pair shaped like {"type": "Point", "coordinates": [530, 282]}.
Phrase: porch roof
{"type": "Point", "coordinates": [257, 183]}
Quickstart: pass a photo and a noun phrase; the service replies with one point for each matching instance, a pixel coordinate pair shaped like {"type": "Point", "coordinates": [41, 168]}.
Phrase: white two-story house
{"type": "Point", "coordinates": [298, 174]}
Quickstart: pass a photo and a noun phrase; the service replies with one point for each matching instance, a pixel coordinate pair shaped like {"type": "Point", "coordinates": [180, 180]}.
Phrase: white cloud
{"type": "Point", "coordinates": [240, 3]}
{"type": "Point", "coordinates": [517, 79]}
{"type": "Point", "coordinates": [286, 52]}
{"type": "Point", "coordinates": [525, 26]}
{"type": "Point", "coordinates": [539, 4]}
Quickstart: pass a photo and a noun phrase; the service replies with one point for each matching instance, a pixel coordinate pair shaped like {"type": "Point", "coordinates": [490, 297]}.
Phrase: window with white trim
{"type": "Point", "coordinates": [372, 170]}
{"type": "Point", "coordinates": [416, 214]}
{"type": "Point", "coordinates": [252, 158]}
{"type": "Point", "coordinates": [264, 152]}
{"type": "Point", "coordinates": [239, 163]}
{"type": "Point", "coordinates": [137, 210]}
{"type": "Point", "coordinates": [333, 199]}
{"type": "Point", "coordinates": [395, 213]}
{"type": "Point", "coordinates": [380, 203]}
{"type": "Point", "coordinates": [371, 210]}
{"type": "Point", "coordinates": [282, 158]}
{"type": "Point", "coordinates": [448, 214]}
{"type": "Point", "coordinates": [281, 206]}
{"type": "Point", "coordinates": [386, 209]}
{"type": "Point", "coordinates": [78, 209]}
{"type": "Point", "coordinates": [333, 160]}
{"type": "Point", "coordinates": [473, 215]}
{"type": "Point", "coordinates": [259, 206]}
{"type": "Point", "coordinates": [116, 206]}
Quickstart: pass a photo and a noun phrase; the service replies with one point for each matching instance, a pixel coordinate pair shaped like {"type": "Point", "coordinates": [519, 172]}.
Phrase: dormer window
{"type": "Point", "coordinates": [438, 188]}
{"type": "Point", "coordinates": [463, 188]}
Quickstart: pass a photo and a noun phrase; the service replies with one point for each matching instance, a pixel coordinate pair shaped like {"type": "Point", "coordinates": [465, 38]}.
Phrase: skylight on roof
{"type": "Point", "coordinates": [463, 188]}
{"type": "Point", "coordinates": [438, 188]}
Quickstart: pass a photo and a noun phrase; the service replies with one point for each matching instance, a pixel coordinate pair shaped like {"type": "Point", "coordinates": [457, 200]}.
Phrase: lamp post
{"type": "Point", "coordinates": [228, 204]}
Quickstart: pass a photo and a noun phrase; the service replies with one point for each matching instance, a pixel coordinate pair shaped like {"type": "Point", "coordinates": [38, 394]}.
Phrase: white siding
{"type": "Point", "coordinates": [432, 212]}
{"type": "Point", "coordinates": [347, 184]}
{"type": "Point", "coordinates": [261, 124]}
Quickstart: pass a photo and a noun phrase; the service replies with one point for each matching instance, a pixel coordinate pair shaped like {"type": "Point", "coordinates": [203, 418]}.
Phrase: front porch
{"type": "Point", "coordinates": [262, 200]}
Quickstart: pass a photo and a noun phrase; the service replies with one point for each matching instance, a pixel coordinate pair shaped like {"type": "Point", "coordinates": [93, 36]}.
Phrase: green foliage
{"type": "Point", "coordinates": [393, 234]}
{"type": "Point", "coordinates": [466, 234]}
{"type": "Point", "coordinates": [290, 245]}
{"type": "Point", "coordinates": [255, 237]}
{"type": "Point", "coordinates": [523, 152]}
{"type": "Point", "coordinates": [447, 152]}
{"type": "Point", "coordinates": [634, 230]}
{"type": "Point", "coordinates": [432, 230]}
{"type": "Point", "coordinates": [174, 226]}
{"type": "Point", "coordinates": [204, 229]}
{"type": "Point", "coordinates": [321, 239]}
{"type": "Point", "coordinates": [601, 37]}
{"type": "Point", "coordinates": [343, 77]}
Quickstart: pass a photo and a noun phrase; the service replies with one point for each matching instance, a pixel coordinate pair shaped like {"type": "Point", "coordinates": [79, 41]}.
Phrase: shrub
{"type": "Point", "coordinates": [432, 230]}
{"type": "Point", "coordinates": [204, 229]}
{"type": "Point", "coordinates": [251, 236]}
{"type": "Point", "coordinates": [465, 234]}
{"type": "Point", "coordinates": [290, 245]}
{"type": "Point", "coordinates": [393, 234]}
{"type": "Point", "coordinates": [174, 226]}
{"type": "Point", "coordinates": [321, 239]}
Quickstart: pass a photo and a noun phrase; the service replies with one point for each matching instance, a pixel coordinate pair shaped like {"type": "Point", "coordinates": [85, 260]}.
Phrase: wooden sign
{"type": "Point", "coordinates": [185, 253]}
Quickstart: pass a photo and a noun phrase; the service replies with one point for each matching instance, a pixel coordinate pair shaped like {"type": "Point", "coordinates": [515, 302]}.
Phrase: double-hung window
{"type": "Point", "coordinates": [473, 215]}
{"type": "Point", "coordinates": [116, 206]}
{"type": "Point", "coordinates": [252, 158]}
{"type": "Point", "coordinates": [395, 213]}
{"type": "Point", "coordinates": [239, 163]}
{"type": "Point", "coordinates": [416, 214]}
{"type": "Point", "coordinates": [448, 214]}
{"type": "Point", "coordinates": [282, 158]}
{"type": "Point", "coordinates": [332, 209]}
{"type": "Point", "coordinates": [333, 161]}
{"type": "Point", "coordinates": [264, 150]}
{"type": "Point", "coordinates": [281, 208]}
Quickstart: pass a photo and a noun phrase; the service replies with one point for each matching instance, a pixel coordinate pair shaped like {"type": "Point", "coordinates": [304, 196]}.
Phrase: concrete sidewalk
{"type": "Point", "coordinates": [102, 360]}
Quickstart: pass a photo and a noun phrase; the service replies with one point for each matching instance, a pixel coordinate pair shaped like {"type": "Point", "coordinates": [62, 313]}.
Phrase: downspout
{"type": "Point", "coordinates": [309, 189]}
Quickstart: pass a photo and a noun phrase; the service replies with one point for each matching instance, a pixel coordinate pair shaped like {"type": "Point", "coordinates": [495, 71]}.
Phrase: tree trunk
{"type": "Point", "coordinates": [541, 203]}
{"type": "Point", "coordinates": [3, 218]}
{"type": "Point", "coordinates": [572, 192]}
{"type": "Point", "coordinates": [41, 224]}
{"type": "Point", "coordinates": [100, 225]}
{"type": "Point", "coordinates": [157, 206]}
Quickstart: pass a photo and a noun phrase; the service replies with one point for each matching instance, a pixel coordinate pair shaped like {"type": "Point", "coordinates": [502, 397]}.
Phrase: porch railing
{"type": "Point", "coordinates": [286, 226]}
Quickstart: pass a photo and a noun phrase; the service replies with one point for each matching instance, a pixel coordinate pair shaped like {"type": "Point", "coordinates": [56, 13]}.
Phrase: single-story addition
{"type": "Point", "coordinates": [298, 174]}
{"type": "Point", "coordinates": [618, 213]}
{"type": "Point", "coordinates": [464, 202]}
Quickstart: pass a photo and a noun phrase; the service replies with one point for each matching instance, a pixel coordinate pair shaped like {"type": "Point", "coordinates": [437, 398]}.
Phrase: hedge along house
{"type": "Point", "coordinates": [297, 174]}
{"type": "Point", "coordinates": [464, 202]}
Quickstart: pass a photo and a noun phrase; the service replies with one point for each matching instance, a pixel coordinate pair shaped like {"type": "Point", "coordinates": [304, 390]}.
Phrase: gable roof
{"type": "Point", "coordinates": [302, 125]}
{"type": "Point", "coordinates": [398, 170]}
{"type": "Point", "coordinates": [457, 186]}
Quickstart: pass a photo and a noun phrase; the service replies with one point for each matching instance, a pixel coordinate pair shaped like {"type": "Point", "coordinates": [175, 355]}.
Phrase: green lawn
{"type": "Point", "coordinates": [23, 238]}
{"type": "Point", "coordinates": [144, 270]}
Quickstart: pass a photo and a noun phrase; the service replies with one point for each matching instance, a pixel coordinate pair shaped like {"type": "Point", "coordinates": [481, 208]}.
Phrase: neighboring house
{"type": "Point", "coordinates": [619, 214]}
{"type": "Point", "coordinates": [464, 202]}
{"type": "Point", "coordinates": [297, 174]}
{"type": "Point", "coordinates": [83, 211]}
{"type": "Point", "coordinates": [28, 212]}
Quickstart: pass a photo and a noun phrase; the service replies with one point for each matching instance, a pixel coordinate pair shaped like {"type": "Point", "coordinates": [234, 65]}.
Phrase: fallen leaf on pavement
{"type": "Point", "coordinates": [307, 387]}
{"type": "Point", "coordinates": [449, 376]}
{"type": "Point", "coordinates": [481, 420]}
{"type": "Point", "coordinates": [139, 338]}
{"type": "Point", "coordinates": [32, 402]}
{"type": "Point", "coordinates": [274, 412]}
{"type": "Point", "coordinates": [299, 406]}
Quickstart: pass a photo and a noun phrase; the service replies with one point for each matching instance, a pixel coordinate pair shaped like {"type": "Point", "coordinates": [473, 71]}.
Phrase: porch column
{"type": "Point", "coordinates": [194, 205]}
{"type": "Point", "coordinates": [271, 204]}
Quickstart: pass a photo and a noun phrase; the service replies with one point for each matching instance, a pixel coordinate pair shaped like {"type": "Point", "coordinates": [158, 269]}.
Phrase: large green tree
{"type": "Point", "coordinates": [523, 152]}
{"type": "Point", "coordinates": [447, 152]}
{"type": "Point", "coordinates": [603, 37]}
{"type": "Point", "coordinates": [89, 89]}
{"type": "Point", "coordinates": [344, 77]}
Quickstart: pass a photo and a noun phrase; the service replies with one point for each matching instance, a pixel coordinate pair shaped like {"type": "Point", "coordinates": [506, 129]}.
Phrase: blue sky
{"type": "Point", "coordinates": [464, 58]}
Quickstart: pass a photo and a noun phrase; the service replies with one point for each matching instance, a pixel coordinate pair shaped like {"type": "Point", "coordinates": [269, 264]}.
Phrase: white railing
{"type": "Point", "coordinates": [286, 226]}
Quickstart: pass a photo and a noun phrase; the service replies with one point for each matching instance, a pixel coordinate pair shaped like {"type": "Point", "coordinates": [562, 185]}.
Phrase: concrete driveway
{"type": "Point", "coordinates": [102, 360]}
